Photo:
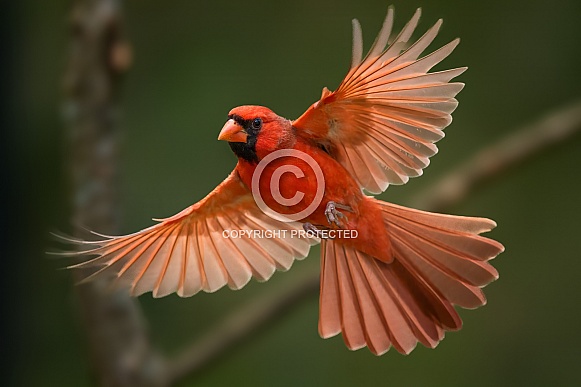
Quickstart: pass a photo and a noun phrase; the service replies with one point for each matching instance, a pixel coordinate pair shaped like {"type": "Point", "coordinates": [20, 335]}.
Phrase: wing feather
{"type": "Point", "coordinates": [384, 118]}
{"type": "Point", "coordinates": [170, 271]}
{"type": "Point", "coordinates": [192, 251]}
{"type": "Point", "coordinates": [194, 277]}
{"type": "Point", "coordinates": [357, 43]}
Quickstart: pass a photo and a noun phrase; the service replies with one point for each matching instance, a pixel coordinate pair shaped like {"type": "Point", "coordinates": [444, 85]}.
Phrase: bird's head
{"type": "Point", "coordinates": [254, 131]}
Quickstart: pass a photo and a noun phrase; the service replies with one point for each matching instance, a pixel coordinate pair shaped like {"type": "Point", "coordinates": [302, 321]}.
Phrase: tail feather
{"type": "Point", "coordinates": [354, 327]}
{"type": "Point", "coordinates": [330, 302]}
{"type": "Point", "coordinates": [440, 261]}
{"type": "Point", "coordinates": [370, 313]}
{"type": "Point", "coordinates": [454, 290]}
{"type": "Point", "coordinates": [419, 326]}
{"type": "Point", "coordinates": [445, 250]}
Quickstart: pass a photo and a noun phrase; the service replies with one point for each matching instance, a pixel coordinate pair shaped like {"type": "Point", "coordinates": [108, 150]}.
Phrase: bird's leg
{"type": "Point", "coordinates": [310, 228]}
{"type": "Point", "coordinates": [334, 216]}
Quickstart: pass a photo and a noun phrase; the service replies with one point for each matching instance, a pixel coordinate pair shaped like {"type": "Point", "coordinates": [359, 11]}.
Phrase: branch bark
{"type": "Point", "coordinates": [490, 163]}
{"type": "Point", "coordinates": [240, 325]}
{"type": "Point", "coordinates": [99, 55]}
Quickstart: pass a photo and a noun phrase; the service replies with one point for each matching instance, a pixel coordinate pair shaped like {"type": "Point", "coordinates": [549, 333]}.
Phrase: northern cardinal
{"type": "Point", "coordinates": [390, 275]}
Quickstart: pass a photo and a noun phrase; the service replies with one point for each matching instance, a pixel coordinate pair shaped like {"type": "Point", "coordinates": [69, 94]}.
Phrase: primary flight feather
{"type": "Point", "coordinates": [390, 275]}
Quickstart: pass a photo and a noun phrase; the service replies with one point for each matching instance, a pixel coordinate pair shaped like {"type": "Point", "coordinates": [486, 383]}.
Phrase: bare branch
{"type": "Point", "coordinates": [239, 325]}
{"type": "Point", "coordinates": [519, 146]}
{"type": "Point", "coordinates": [491, 162]}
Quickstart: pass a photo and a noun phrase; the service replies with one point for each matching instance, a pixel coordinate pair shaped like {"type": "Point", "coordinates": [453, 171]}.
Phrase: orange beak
{"type": "Point", "coordinates": [232, 132]}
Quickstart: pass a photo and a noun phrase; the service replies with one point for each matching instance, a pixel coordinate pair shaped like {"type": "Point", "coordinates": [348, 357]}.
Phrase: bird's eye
{"type": "Point", "coordinates": [256, 123]}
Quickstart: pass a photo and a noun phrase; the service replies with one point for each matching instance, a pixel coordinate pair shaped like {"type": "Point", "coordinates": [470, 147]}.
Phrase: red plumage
{"type": "Point", "coordinates": [397, 281]}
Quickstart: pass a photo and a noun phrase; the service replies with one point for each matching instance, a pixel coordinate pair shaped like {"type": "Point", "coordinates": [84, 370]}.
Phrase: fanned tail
{"type": "Point", "coordinates": [440, 261]}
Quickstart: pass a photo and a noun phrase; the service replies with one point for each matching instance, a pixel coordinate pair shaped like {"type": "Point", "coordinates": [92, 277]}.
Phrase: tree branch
{"type": "Point", "coordinates": [240, 325]}
{"type": "Point", "coordinates": [99, 55]}
{"type": "Point", "coordinates": [519, 146]}
{"type": "Point", "coordinates": [491, 162]}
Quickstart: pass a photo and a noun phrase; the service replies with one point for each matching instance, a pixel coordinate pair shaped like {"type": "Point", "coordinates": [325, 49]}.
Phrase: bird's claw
{"type": "Point", "coordinates": [334, 216]}
{"type": "Point", "coordinates": [311, 228]}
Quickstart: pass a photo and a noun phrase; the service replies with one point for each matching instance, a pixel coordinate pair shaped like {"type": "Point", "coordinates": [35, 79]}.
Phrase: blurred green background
{"type": "Point", "coordinates": [193, 62]}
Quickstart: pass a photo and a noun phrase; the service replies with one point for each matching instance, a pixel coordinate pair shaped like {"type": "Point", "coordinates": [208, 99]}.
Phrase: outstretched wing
{"type": "Point", "coordinates": [200, 248]}
{"type": "Point", "coordinates": [383, 120]}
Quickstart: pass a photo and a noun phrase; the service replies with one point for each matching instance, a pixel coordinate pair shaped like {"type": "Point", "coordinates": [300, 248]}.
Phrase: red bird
{"type": "Point", "coordinates": [390, 275]}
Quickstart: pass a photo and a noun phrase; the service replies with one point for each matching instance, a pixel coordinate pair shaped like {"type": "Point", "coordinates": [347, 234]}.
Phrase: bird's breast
{"type": "Point", "coordinates": [300, 180]}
